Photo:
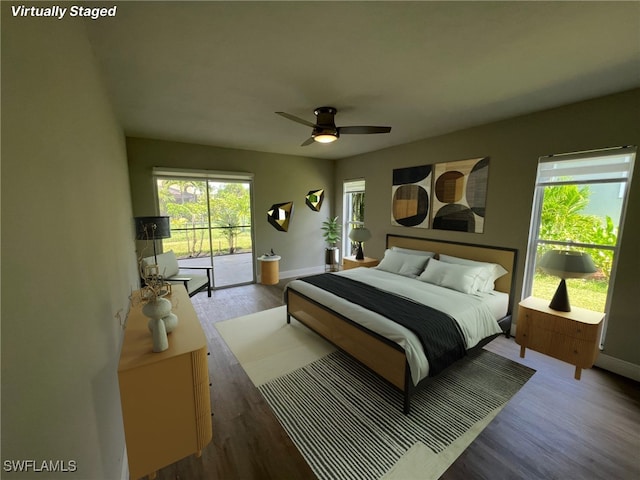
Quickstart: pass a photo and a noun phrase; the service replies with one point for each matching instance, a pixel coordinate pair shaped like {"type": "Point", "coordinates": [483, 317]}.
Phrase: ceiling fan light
{"type": "Point", "coordinates": [325, 138]}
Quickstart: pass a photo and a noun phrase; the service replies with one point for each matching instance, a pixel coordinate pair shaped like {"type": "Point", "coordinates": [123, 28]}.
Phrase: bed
{"type": "Point", "coordinates": [392, 349]}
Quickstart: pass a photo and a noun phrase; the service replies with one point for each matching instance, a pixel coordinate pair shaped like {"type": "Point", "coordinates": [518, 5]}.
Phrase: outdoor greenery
{"type": "Point", "coordinates": [180, 242]}
{"type": "Point", "coordinates": [585, 293]}
{"type": "Point", "coordinates": [357, 215]}
{"type": "Point", "coordinates": [229, 213]}
{"type": "Point", "coordinates": [563, 219]}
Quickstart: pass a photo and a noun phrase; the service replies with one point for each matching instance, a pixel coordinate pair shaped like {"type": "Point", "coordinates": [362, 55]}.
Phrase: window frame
{"type": "Point", "coordinates": [208, 176]}
{"type": "Point", "coordinates": [349, 187]}
{"type": "Point", "coordinates": [538, 197]}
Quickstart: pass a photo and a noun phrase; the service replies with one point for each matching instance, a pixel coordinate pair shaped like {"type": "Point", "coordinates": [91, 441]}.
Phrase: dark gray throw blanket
{"type": "Point", "coordinates": [439, 334]}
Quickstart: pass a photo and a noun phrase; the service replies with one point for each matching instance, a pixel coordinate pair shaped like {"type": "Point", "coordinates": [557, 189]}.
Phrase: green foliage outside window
{"type": "Point", "coordinates": [185, 201]}
{"type": "Point", "coordinates": [563, 219]}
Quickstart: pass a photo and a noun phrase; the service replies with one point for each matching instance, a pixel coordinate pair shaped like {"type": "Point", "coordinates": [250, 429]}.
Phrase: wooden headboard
{"type": "Point", "coordinates": [506, 257]}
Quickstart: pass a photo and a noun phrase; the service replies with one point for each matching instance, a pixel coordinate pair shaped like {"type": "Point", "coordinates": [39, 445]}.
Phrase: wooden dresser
{"type": "Point", "coordinates": [165, 396]}
{"type": "Point", "coordinates": [572, 337]}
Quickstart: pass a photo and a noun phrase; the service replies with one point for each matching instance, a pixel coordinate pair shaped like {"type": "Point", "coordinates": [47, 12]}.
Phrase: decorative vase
{"type": "Point", "coordinates": [170, 319]}
{"type": "Point", "coordinates": [156, 309]}
{"type": "Point", "coordinates": [170, 322]}
{"type": "Point", "coordinates": [159, 334]}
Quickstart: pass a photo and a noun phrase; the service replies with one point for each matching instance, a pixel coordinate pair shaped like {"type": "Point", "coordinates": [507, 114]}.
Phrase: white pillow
{"type": "Point", "coordinates": [404, 264]}
{"type": "Point", "coordinates": [457, 277]}
{"type": "Point", "coordinates": [491, 271]}
{"type": "Point", "coordinates": [410, 251]}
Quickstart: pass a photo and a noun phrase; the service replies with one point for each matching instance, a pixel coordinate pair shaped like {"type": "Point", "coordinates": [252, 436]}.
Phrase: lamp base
{"type": "Point", "coordinates": [359, 252]}
{"type": "Point", "coordinates": [560, 300]}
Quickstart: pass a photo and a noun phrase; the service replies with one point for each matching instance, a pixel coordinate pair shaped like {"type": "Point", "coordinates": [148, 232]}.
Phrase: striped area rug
{"type": "Point", "coordinates": [349, 424]}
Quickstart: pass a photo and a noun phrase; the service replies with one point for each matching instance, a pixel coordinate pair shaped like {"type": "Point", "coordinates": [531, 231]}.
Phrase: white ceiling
{"type": "Point", "coordinates": [215, 72]}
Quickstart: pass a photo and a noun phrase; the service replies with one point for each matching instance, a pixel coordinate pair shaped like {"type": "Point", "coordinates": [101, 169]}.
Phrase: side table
{"type": "Point", "coordinates": [351, 262]}
{"type": "Point", "coordinates": [572, 337]}
{"type": "Point", "coordinates": [269, 269]}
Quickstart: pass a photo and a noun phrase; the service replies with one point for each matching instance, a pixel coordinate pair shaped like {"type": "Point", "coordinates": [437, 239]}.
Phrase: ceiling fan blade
{"type": "Point", "coordinates": [308, 141]}
{"type": "Point", "coordinates": [363, 130]}
{"type": "Point", "coordinates": [296, 119]}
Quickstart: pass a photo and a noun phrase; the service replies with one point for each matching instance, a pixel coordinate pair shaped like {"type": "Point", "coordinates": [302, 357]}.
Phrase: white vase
{"type": "Point", "coordinates": [156, 309]}
{"type": "Point", "coordinates": [170, 322]}
{"type": "Point", "coordinates": [159, 334]}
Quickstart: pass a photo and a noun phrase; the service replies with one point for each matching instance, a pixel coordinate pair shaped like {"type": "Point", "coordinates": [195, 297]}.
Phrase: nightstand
{"type": "Point", "coordinates": [351, 262]}
{"type": "Point", "coordinates": [572, 337]}
{"type": "Point", "coordinates": [269, 269]}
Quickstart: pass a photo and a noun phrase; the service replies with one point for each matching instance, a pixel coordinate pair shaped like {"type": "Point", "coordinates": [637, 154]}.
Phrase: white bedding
{"type": "Point", "coordinates": [476, 314]}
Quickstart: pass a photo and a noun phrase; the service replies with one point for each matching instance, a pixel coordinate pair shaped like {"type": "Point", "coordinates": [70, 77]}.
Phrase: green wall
{"type": "Point", "coordinates": [68, 260]}
{"type": "Point", "coordinates": [277, 179]}
{"type": "Point", "coordinates": [514, 147]}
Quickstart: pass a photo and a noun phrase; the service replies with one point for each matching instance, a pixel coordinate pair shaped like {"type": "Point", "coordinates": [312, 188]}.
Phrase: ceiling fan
{"type": "Point", "coordinates": [325, 130]}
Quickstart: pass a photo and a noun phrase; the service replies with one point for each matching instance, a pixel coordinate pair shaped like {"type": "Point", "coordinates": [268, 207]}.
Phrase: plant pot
{"type": "Point", "coordinates": [332, 259]}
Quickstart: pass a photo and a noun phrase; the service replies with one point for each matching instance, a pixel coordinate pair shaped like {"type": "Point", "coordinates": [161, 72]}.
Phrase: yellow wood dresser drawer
{"type": "Point", "coordinates": [581, 353]}
{"type": "Point", "coordinates": [165, 397]}
{"type": "Point", "coordinates": [572, 337]}
{"type": "Point", "coordinates": [563, 326]}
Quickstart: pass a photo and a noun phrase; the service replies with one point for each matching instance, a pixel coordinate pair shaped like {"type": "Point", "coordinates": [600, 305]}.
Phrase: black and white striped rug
{"type": "Point", "coordinates": [349, 424]}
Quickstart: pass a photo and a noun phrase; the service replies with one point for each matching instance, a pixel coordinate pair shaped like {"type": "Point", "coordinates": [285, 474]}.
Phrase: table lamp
{"type": "Point", "coordinates": [152, 228]}
{"type": "Point", "coordinates": [360, 235]}
{"type": "Point", "coordinates": [565, 264]}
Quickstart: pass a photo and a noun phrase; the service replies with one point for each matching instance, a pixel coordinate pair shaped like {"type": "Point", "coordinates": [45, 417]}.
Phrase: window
{"type": "Point", "coordinates": [579, 204]}
{"type": "Point", "coordinates": [353, 212]}
{"type": "Point", "coordinates": [210, 216]}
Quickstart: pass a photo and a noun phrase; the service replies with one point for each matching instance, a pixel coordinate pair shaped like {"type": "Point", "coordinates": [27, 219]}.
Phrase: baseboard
{"type": "Point", "coordinates": [621, 367]}
{"type": "Point", "coordinates": [301, 272]}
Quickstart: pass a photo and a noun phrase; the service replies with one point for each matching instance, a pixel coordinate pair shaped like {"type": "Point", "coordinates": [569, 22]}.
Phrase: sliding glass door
{"type": "Point", "coordinates": [210, 225]}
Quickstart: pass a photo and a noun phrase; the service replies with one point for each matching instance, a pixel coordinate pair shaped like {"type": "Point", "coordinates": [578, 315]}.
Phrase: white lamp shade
{"type": "Point", "coordinates": [360, 234]}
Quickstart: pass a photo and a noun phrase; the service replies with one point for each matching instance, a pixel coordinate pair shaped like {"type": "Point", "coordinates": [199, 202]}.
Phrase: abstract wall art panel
{"type": "Point", "coordinates": [411, 196]}
{"type": "Point", "coordinates": [314, 199]}
{"type": "Point", "coordinates": [279, 215]}
{"type": "Point", "coordinates": [460, 195]}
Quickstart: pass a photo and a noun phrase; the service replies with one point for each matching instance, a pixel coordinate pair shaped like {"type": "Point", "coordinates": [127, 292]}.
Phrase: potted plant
{"type": "Point", "coordinates": [331, 233]}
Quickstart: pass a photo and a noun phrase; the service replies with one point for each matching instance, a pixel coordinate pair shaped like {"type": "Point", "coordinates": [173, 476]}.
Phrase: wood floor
{"type": "Point", "coordinates": [554, 428]}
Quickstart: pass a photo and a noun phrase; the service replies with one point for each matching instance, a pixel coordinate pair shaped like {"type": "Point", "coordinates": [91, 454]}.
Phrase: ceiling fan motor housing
{"type": "Point", "coordinates": [326, 117]}
{"type": "Point", "coordinates": [325, 122]}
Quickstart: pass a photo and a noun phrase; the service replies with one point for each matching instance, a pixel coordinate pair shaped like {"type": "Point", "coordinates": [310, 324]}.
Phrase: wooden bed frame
{"type": "Point", "coordinates": [385, 357]}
